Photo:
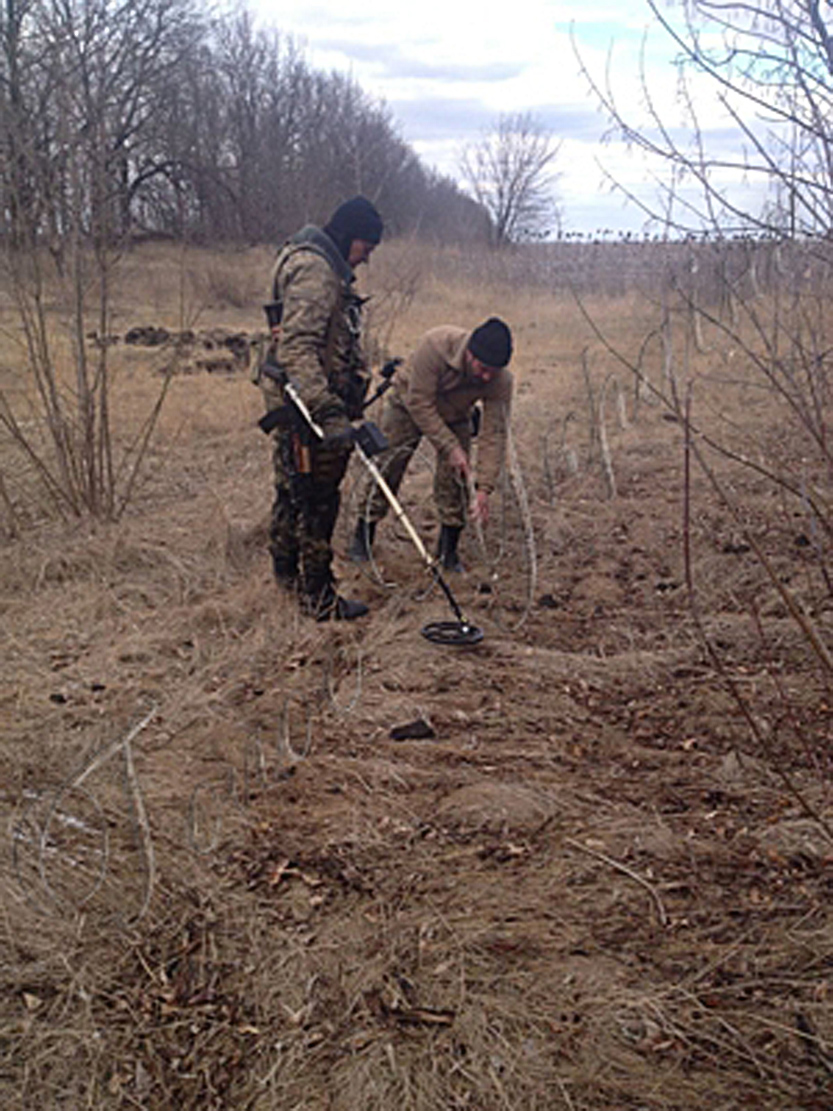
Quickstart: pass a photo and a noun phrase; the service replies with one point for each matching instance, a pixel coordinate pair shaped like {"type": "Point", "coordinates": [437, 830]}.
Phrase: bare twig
{"type": "Point", "coordinates": [620, 867]}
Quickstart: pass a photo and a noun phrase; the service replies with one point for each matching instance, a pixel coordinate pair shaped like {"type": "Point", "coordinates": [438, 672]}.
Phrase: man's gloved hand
{"type": "Point", "coordinates": [334, 424]}
{"type": "Point", "coordinates": [369, 438]}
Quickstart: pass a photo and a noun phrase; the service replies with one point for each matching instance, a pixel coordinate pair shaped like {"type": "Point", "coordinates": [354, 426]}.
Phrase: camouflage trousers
{"type": "Point", "coordinates": [403, 436]}
{"type": "Point", "coordinates": [304, 514]}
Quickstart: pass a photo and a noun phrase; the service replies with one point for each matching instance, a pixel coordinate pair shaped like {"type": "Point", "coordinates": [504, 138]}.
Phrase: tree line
{"type": "Point", "coordinates": [129, 118]}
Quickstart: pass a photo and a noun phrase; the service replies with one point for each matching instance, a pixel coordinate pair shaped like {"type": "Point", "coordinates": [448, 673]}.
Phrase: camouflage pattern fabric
{"type": "Point", "coordinates": [319, 347]}
{"type": "Point", "coordinates": [304, 515]}
{"type": "Point", "coordinates": [320, 339]}
{"type": "Point", "coordinates": [403, 437]}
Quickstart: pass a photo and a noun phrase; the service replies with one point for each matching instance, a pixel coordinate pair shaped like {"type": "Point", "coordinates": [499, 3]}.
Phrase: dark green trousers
{"type": "Point", "coordinates": [304, 514]}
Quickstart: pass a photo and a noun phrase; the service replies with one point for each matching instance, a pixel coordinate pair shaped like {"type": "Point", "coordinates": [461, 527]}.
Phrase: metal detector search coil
{"type": "Point", "coordinates": [457, 634]}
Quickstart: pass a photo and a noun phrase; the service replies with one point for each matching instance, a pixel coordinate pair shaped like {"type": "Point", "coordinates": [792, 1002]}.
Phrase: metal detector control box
{"type": "Point", "coordinates": [370, 438]}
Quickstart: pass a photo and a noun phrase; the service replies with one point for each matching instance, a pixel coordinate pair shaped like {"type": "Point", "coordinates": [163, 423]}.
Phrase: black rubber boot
{"type": "Point", "coordinates": [286, 571]}
{"type": "Point", "coordinates": [345, 609]}
{"type": "Point", "coordinates": [361, 548]}
{"type": "Point", "coordinates": [329, 606]}
{"type": "Point", "coordinates": [447, 548]}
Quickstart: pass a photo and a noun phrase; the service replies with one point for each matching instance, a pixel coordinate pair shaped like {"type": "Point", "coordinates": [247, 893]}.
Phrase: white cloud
{"type": "Point", "coordinates": [447, 70]}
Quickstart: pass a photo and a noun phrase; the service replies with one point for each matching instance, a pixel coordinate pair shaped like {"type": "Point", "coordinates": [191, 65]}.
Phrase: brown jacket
{"type": "Point", "coordinates": [437, 391]}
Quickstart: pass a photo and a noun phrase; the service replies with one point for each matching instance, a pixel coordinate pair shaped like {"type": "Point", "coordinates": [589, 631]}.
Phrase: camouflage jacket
{"type": "Point", "coordinates": [320, 341]}
{"type": "Point", "coordinates": [437, 391]}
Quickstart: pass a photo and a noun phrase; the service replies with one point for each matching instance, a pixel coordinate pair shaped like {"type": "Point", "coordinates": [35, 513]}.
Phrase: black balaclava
{"type": "Point", "coordinates": [355, 219]}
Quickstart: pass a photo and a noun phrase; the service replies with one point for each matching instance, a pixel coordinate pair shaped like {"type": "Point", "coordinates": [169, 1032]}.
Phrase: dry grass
{"type": "Point", "coordinates": [585, 893]}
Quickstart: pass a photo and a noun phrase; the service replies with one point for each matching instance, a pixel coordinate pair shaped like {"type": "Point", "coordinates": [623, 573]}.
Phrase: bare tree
{"type": "Point", "coordinates": [144, 116]}
{"type": "Point", "coordinates": [78, 80]}
{"type": "Point", "coordinates": [769, 63]}
{"type": "Point", "coordinates": [761, 325]}
{"type": "Point", "coordinates": [509, 172]}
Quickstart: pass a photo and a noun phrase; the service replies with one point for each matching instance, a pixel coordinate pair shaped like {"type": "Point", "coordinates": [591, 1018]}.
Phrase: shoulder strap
{"type": "Point", "coordinates": [311, 238]}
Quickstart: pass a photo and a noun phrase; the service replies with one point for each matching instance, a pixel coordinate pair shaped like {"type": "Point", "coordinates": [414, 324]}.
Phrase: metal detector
{"type": "Point", "coordinates": [368, 440]}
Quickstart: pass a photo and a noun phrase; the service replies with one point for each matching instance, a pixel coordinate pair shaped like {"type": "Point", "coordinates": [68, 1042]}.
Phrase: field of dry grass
{"type": "Point", "coordinates": [226, 886]}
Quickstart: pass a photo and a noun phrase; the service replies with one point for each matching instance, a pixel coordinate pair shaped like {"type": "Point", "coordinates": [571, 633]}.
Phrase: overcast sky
{"type": "Point", "coordinates": [448, 69]}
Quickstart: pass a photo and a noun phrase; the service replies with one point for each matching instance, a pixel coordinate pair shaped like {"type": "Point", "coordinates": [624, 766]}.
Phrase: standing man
{"type": "Point", "coordinates": [318, 344]}
{"type": "Point", "coordinates": [434, 395]}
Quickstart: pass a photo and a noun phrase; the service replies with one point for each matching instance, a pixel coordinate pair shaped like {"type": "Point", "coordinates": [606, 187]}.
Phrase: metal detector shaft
{"type": "Point", "coordinates": [392, 499]}
{"type": "Point", "coordinates": [402, 516]}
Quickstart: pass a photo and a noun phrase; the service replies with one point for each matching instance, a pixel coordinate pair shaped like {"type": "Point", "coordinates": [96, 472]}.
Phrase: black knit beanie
{"type": "Point", "coordinates": [491, 343]}
{"type": "Point", "coordinates": [355, 219]}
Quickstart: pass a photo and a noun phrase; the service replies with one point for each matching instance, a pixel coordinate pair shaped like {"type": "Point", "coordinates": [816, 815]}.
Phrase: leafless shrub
{"type": "Point", "coordinates": [62, 431]}
{"type": "Point", "coordinates": [558, 461]}
{"type": "Point", "coordinates": [777, 348]}
{"type": "Point", "coordinates": [507, 546]}
{"type": "Point", "coordinates": [744, 329]}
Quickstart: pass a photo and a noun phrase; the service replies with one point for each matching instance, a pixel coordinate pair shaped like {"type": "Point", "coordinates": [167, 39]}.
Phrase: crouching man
{"type": "Point", "coordinates": [434, 395]}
